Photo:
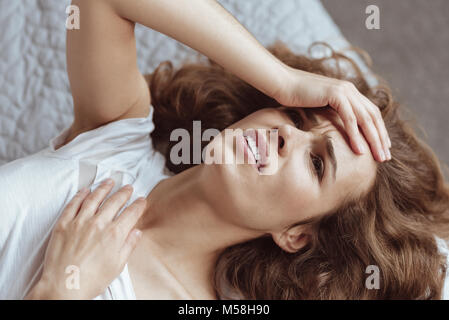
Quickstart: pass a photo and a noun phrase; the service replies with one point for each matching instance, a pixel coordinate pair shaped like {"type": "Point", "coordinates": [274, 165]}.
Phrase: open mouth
{"type": "Point", "coordinates": [257, 147]}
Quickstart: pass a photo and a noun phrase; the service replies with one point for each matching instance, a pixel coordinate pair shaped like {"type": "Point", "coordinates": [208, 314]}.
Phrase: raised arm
{"type": "Point", "coordinates": [102, 68]}
{"type": "Point", "coordinates": [207, 27]}
{"type": "Point", "coordinates": [106, 84]}
{"type": "Point", "coordinates": [102, 65]}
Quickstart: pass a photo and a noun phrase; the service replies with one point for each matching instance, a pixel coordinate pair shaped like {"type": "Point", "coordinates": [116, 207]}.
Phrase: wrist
{"type": "Point", "coordinates": [46, 290]}
{"type": "Point", "coordinates": [41, 291]}
{"type": "Point", "coordinates": [283, 84]}
{"type": "Point", "coordinates": [293, 81]}
{"type": "Point", "coordinates": [278, 79]}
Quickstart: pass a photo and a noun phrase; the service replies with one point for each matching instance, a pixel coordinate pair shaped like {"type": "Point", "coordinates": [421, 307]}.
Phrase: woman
{"type": "Point", "coordinates": [308, 231]}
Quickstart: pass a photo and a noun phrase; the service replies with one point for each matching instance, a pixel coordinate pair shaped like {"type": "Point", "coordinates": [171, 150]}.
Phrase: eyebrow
{"type": "Point", "coordinates": [331, 152]}
{"type": "Point", "coordinates": [311, 117]}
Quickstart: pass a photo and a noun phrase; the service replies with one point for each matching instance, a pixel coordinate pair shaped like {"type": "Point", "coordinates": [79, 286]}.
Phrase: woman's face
{"type": "Point", "coordinates": [308, 171]}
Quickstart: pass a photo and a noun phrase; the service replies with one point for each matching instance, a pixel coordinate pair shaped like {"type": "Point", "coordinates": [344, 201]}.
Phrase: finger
{"type": "Point", "coordinates": [369, 130]}
{"type": "Point", "coordinates": [114, 204]}
{"type": "Point", "coordinates": [349, 119]}
{"type": "Point", "coordinates": [129, 217]}
{"type": "Point", "coordinates": [74, 205]}
{"type": "Point", "coordinates": [94, 200]}
{"type": "Point", "coordinates": [130, 244]}
{"type": "Point", "coordinates": [382, 131]}
{"type": "Point", "coordinates": [379, 121]}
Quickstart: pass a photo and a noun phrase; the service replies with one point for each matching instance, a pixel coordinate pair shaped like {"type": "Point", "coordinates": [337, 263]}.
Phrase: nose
{"type": "Point", "coordinates": [289, 137]}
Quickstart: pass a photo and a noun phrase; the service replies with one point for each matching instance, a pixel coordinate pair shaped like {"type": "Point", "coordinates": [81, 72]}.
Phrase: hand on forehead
{"type": "Point", "coordinates": [356, 172]}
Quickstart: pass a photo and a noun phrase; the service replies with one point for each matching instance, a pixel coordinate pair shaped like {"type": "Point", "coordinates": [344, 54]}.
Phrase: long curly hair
{"type": "Point", "coordinates": [393, 227]}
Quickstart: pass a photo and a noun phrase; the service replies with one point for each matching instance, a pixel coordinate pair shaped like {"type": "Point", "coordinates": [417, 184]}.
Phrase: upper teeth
{"type": "Point", "coordinates": [253, 146]}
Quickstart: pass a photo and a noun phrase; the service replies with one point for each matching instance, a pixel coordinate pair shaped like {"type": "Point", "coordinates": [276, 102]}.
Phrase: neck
{"type": "Point", "coordinates": [185, 228]}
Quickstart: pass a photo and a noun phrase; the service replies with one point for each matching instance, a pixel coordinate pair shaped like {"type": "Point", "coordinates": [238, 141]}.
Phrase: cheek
{"type": "Point", "coordinates": [298, 194]}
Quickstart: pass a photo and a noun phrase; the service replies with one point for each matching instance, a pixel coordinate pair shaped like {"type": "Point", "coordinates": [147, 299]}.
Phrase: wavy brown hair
{"type": "Point", "coordinates": [392, 227]}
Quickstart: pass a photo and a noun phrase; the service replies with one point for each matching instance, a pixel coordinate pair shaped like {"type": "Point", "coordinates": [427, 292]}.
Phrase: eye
{"type": "Point", "coordinates": [318, 165]}
{"type": "Point", "coordinates": [295, 117]}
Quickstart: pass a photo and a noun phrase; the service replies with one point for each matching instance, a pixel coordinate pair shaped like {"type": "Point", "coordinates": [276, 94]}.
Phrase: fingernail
{"type": "Point", "coordinates": [388, 154]}
{"type": "Point", "coordinates": [108, 181]}
{"type": "Point", "coordinates": [83, 190]}
{"type": "Point", "coordinates": [128, 187]}
{"type": "Point", "coordinates": [360, 147]}
{"type": "Point", "coordinates": [382, 155]}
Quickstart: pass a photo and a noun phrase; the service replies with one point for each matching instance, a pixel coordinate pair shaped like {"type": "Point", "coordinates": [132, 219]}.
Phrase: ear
{"type": "Point", "coordinates": [291, 240]}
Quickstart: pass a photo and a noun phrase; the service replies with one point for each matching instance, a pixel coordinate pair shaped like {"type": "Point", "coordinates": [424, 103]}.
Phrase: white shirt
{"type": "Point", "coordinates": [34, 190]}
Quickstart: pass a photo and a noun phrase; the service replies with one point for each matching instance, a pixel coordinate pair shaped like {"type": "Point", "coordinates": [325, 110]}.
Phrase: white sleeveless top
{"type": "Point", "coordinates": [34, 190]}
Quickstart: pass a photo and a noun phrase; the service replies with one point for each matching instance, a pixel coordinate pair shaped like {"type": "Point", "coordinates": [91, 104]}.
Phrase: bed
{"type": "Point", "coordinates": [35, 100]}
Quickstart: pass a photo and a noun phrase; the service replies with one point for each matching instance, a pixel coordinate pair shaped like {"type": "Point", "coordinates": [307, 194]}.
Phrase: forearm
{"type": "Point", "coordinates": [207, 27]}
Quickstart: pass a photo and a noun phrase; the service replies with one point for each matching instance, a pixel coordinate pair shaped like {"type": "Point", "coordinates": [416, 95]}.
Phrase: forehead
{"type": "Point", "coordinates": [356, 173]}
